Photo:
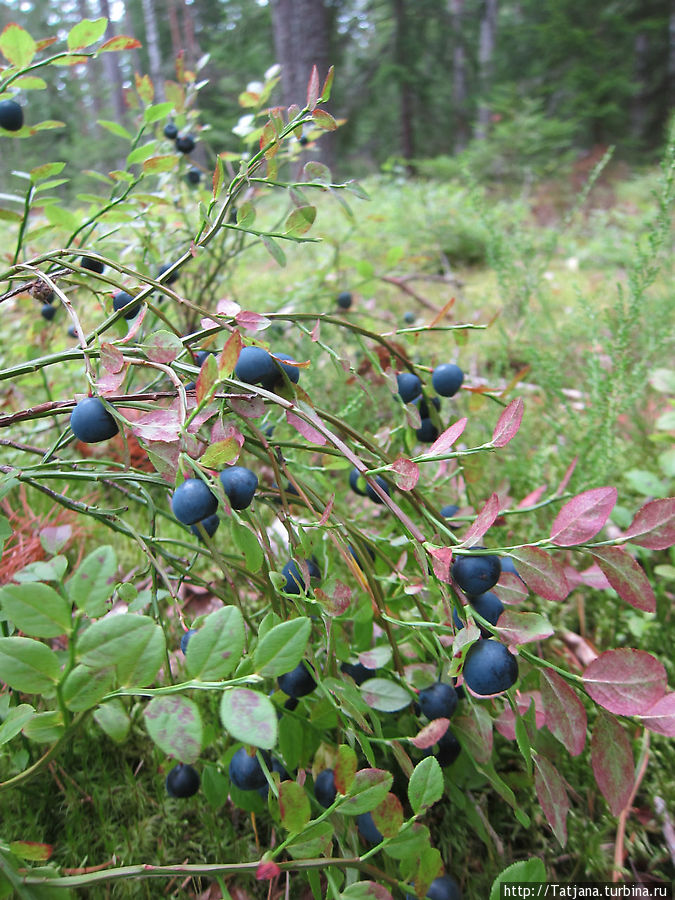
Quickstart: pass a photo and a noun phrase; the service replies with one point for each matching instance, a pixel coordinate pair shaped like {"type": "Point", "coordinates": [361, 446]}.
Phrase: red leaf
{"type": "Point", "coordinates": [626, 577]}
{"type": "Point", "coordinates": [654, 524]}
{"type": "Point", "coordinates": [568, 474]}
{"type": "Point", "coordinates": [316, 331]}
{"type": "Point", "coordinates": [541, 573]}
{"type": "Point", "coordinates": [313, 88]}
{"type": "Point", "coordinates": [229, 355]}
{"type": "Point", "coordinates": [582, 517]}
{"type": "Point", "coordinates": [120, 42]}
{"type": "Point", "coordinates": [612, 762]}
{"type": "Point", "coordinates": [160, 425]}
{"type": "Point", "coordinates": [444, 442]}
{"type": "Point", "coordinates": [532, 498]}
{"type": "Point", "coordinates": [565, 713]}
{"type": "Point", "coordinates": [407, 474]}
{"type": "Point", "coordinates": [252, 321]}
{"type": "Point", "coordinates": [509, 423]}
{"type": "Point", "coordinates": [305, 429]}
{"type": "Point", "coordinates": [112, 358]}
{"type": "Point", "coordinates": [661, 716]}
{"type": "Point", "coordinates": [441, 558]}
{"type": "Point", "coordinates": [552, 796]}
{"type": "Point", "coordinates": [248, 407]}
{"type": "Point", "coordinates": [523, 627]}
{"type": "Point", "coordinates": [592, 577]}
{"type": "Point", "coordinates": [625, 681]}
{"type": "Point", "coordinates": [482, 522]}
{"type": "Point", "coordinates": [430, 734]}
{"type": "Point", "coordinates": [506, 721]}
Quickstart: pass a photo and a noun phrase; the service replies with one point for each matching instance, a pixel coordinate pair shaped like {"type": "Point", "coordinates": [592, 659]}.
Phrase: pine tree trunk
{"type": "Point", "coordinates": [406, 100]}
{"type": "Point", "coordinates": [112, 67]}
{"type": "Point", "coordinates": [459, 91]}
{"type": "Point", "coordinates": [486, 49]}
{"type": "Point", "coordinates": [154, 53]}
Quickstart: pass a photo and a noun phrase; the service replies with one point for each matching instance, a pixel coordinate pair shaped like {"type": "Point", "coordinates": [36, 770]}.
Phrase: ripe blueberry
{"type": "Point", "coordinates": [295, 580]}
{"type": "Point", "coordinates": [438, 701]}
{"type": "Point", "coordinates": [71, 331]}
{"type": "Point", "coordinates": [423, 406]}
{"type": "Point", "coordinates": [170, 131]}
{"type": "Point", "coordinates": [240, 484]}
{"type": "Point", "coordinates": [298, 682]}
{"type": "Point", "coordinates": [48, 312]}
{"type": "Point", "coordinates": [185, 144]}
{"type": "Point", "coordinates": [182, 781]}
{"type": "Point", "coordinates": [476, 574]}
{"type": "Point", "coordinates": [324, 788]}
{"type": "Point", "coordinates": [193, 501]}
{"type": "Point", "coordinates": [409, 317]}
{"type": "Point", "coordinates": [355, 482]}
{"type": "Point", "coordinates": [489, 606]}
{"type": "Point", "coordinates": [489, 668]}
{"type": "Point", "coordinates": [427, 432]}
{"type": "Point", "coordinates": [374, 496]}
{"type": "Point", "coordinates": [171, 278]}
{"type": "Point", "coordinates": [255, 366]}
{"type": "Point", "coordinates": [447, 379]}
{"type": "Point", "coordinates": [193, 175]}
{"type": "Point", "coordinates": [94, 265]}
{"type": "Point", "coordinates": [293, 372]}
{"type": "Point", "coordinates": [11, 115]}
{"type": "Point", "coordinates": [368, 828]}
{"type": "Point", "coordinates": [209, 524]}
{"type": "Point", "coordinates": [246, 772]}
{"type": "Point", "coordinates": [357, 671]}
{"type": "Point", "coordinates": [344, 300]}
{"type": "Point", "coordinates": [122, 299]}
{"type": "Point", "coordinates": [449, 511]}
{"type": "Point", "coordinates": [443, 888]}
{"type": "Point", "coordinates": [91, 422]}
{"type": "Point", "coordinates": [409, 386]}
{"type": "Point", "coordinates": [449, 749]}
{"type": "Point", "coordinates": [185, 640]}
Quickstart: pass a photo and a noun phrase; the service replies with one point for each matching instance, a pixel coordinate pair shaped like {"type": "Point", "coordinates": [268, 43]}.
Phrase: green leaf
{"type": "Point", "coordinates": [300, 220]}
{"type": "Point", "coordinates": [44, 727]}
{"type": "Point", "coordinates": [115, 128]}
{"type": "Point", "coordinates": [140, 154]}
{"type": "Point", "coordinates": [218, 455]}
{"type": "Point", "coordinates": [17, 45]}
{"type": "Point", "coordinates": [63, 218]}
{"type": "Point", "coordinates": [86, 33]}
{"type": "Point", "coordinates": [409, 842]}
{"type": "Point", "coordinates": [293, 806]}
{"type": "Point", "coordinates": [175, 725]}
{"type": "Point", "coordinates": [248, 545]}
{"type": "Point", "coordinates": [385, 695]}
{"type": "Point", "coordinates": [532, 869]}
{"type": "Point", "coordinates": [30, 83]}
{"type": "Point", "coordinates": [426, 785]}
{"type": "Point", "coordinates": [274, 250]}
{"type": "Point", "coordinates": [39, 173]}
{"type": "Point", "coordinates": [15, 719]}
{"type": "Point", "coordinates": [249, 716]}
{"type": "Point", "coordinates": [282, 648]}
{"type": "Point", "coordinates": [215, 787]}
{"type": "Point", "coordinates": [36, 609]}
{"type": "Point", "coordinates": [133, 645]}
{"type": "Point", "coordinates": [215, 650]}
{"type": "Point", "coordinates": [365, 890]}
{"type": "Point", "coordinates": [83, 688]}
{"type": "Point", "coordinates": [92, 584]}
{"type": "Point", "coordinates": [368, 790]}
{"type": "Point", "coordinates": [112, 718]}
{"type": "Point", "coordinates": [157, 111]}
{"type": "Point", "coordinates": [311, 842]}
{"type": "Point", "coordinates": [157, 164]}
{"type": "Point", "coordinates": [8, 215]}
{"type": "Point", "coordinates": [246, 214]}
{"type": "Point", "coordinates": [27, 665]}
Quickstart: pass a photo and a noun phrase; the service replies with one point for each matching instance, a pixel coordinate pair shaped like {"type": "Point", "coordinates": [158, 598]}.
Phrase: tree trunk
{"type": "Point", "coordinates": [174, 28]}
{"type": "Point", "coordinates": [459, 91]}
{"type": "Point", "coordinates": [406, 100]}
{"type": "Point", "coordinates": [130, 29]}
{"type": "Point", "coordinates": [112, 67]}
{"type": "Point", "coordinates": [152, 44]}
{"type": "Point", "coordinates": [191, 45]}
{"type": "Point", "coordinates": [486, 49]}
{"type": "Point", "coordinates": [302, 40]}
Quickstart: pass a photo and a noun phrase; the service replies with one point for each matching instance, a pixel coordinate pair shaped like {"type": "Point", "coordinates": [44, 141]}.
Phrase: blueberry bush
{"type": "Point", "coordinates": [278, 577]}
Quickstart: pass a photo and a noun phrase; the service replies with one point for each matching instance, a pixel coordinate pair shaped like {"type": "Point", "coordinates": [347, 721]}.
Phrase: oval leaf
{"type": "Point", "coordinates": [482, 522]}
{"type": "Point", "coordinates": [388, 816]}
{"type": "Point", "coordinates": [612, 762]}
{"type": "Point", "coordinates": [406, 474]}
{"type": "Point", "coordinates": [509, 423]}
{"type": "Point", "coordinates": [27, 665]}
{"type": "Point", "coordinates": [626, 577]}
{"type": "Point", "coordinates": [215, 650]}
{"type": "Point", "coordinates": [430, 734]}
{"type": "Point", "coordinates": [385, 695]}
{"type": "Point", "coordinates": [541, 573]}
{"type": "Point", "coordinates": [133, 645]}
{"type": "Point", "coordinates": [36, 609]}
{"type": "Point", "coordinates": [426, 784]}
{"type": "Point", "coordinates": [661, 716]}
{"type": "Point", "coordinates": [250, 717]}
{"type": "Point", "coordinates": [368, 789]}
{"type": "Point", "coordinates": [565, 713]}
{"type": "Point", "coordinates": [444, 442]}
{"type": "Point", "coordinates": [523, 627]}
{"type": "Point", "coordinates": [175, 725]}
{"type": "Point", "coordinates": [92, 583]}
{"type": "Point", "coordinates": [654, 525]}
{"type": "Point", "coordinates": [282, 648]}
{"type": "Point", "coordinates": [305, 429]}
{"type": "Point", "coordinates": [293, 806]}
{"type": "Point", "coordinates": [552, 796]}
{"type": "Point", "coordinates": [582, 517]}
{"type": "Point", "coordinates": [625, 681]}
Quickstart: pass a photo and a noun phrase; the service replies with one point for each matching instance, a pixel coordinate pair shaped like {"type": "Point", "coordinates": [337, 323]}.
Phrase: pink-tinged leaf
{"type": "Point", "coordinates": [626, 681]}
{"type": "Point", "coordinates": [227, 307]}
{"type": "Point", "coordinates": [112, 358]}
{"type": "Point", "coordinates": [325, 516]}
{"type": "Point", "coordinates": [120, 42]}
{"type": "Point", "coordinates": [248, 407]}
{"type": "Point", "coordinates": [221, 432]}
{"type": "Point", "coordinates": [344, 769]}
{"type": "Point", "coordinates": [156, 164]}
{"type": "Point", "coordinates": [430, 734]}
{"type": "Point", "coordinates": [54, 538]}
{"type": "Point", "coordinates": [473, 729]}
{"type": "Point", "coordinates": [464, 638]}
{"type": "Point", "coordinates": [135, 326]}
{"type": "Point", "coordinates": [324, 120]}
{"type": "Point", "coordinates": [626, 577]}
{"type": "Point", "coordinates": [252, 321]}
{"type": "Point", "coordinates": [313, 88]}
{"type": "Point", "coordinates": [341, 598]}
{"type": "Point", "coordinates": [552, 796]}
{"type": "Point", "coordinates": [661, 716]}
{"type": "Point", "coordinates": [612, 762]}
{"type": "Point", "coordinates": [566, 477]}
{"type": "Point", "coordinates": [510, 589]}
{"type": "Point", "coordinates": [532, 498]}
{"type": "Point", "coordinates": [388, 818]}
{"type": "Point", "coordinates": [541, 573]}
{"type": "Point", "coordinates": [517, 628]}
{"type": "Point", "coordinates": [406, 474]}
{"type": "Point", "coordinates": [444, 442]}
{"type": "Point", "coordinates": [305, 429]}
{"type": "Point", "coordinates": [564, 711]}
{"type": "Point", "coordinates": [208, 375]}
{"type": "Point", "coordinates": [31, 850]}
{"type": "Point", "coordinates": [111, 383]}
{"type": "Point", "coordinates": [582, 517]}
{"type": "Point", "coordinates": [315, 333]}
{"type": "Point", "coordinates": [482, 522]}
{"type": "Point", "coordinates": [159, 425]}
{"type": "Point", "coordinates": [506, 721]}
{"type": "Point", "coordinates": [222, 453]}
{"type": "Point", "coordinates": [164, 458]}
{"type": "Point", "coordinates": [163, 347]}
{"type": "Point", "coordinates": [267, 870]}
{"type": "Point", "coordinates": [369, 890]}
{"type": "Point", "coordinates": [592, 577]}
{"type": "Point", "coordinates": [654, 525]}
{"type": "Point", "coordinates": [441, 560]}
{"type": "Point", "coordinates": [509, 423]}
{"type": "Point", "coordinates": [327, 85]}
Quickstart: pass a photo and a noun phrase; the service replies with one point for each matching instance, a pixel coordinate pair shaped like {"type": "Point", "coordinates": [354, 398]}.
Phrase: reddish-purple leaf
{"type": "Point", "coordinates": [248, 407]}
{"type": "Point", "coordinates": [523, 627]}
{"type": "Point", "coordinates": [315, 333]}
{"type": "Point", "coordinates": [163, 347]}
{"type": "Point", "coordinates": [473, 729]}
{"type": "Point", "coordinates": [510, 589]}
{"type": "Point", "coordinates": [612, 762]}
{"type": "Point", "coordinates": [566, 477]}
{"type": "Point", "coordinates": [313, 88]}
{"type": "Point", "coordinates": [306, 430]}
{"type": "Point", "coordinates": [532, 498]}
{"type": "Point", "coordinates": [506, 721]}
{"type": "Point", "coordinates": [325, 515]}
{"type": "Point", "coordinates": [444, 442]}
{"type": "Point", "coordinates": [164, 458]}
{"type": "Point", "coordinates": [267, 870]}
{"type": "Point", "coordinates": [441, 558]}
{"type": "Point", "coordinates": [565, 713]}
{"type": "Point", "coordinates": [592, 577]}
{"type": "Point", "coordinates": [160, 425]}
{"type": "Point", "coordinates": [430, 734]}
{"type": "Point", "coordinates": [626, 577]}
{"type": "Point", "coordinates": [552, 796]}
{"type": "Point", "coordinates": [407, 474]}
{"type": "Point", "coordinates": [112, 358]}
{"type": "Point", "coordinates": [482, 522]}
{"type": "Point", "coordinates": [229, 355]}
{"type": "Point", "coordinates": [110, 383]}
{"type": "Point", "coordinates": [654, 525]}
{"type": "Point", "coordinates": [252, 321]}
{"type": "Point", "coordinates": [541, 573]}
{"type": "Point", "coordinates": [388, 816]}
{"type": "Point", "coordinates": [625, 681]}
{"type": "Point", "coordinates": [221, 432]}
{"type": "Point", "coordinates": [509, 423]}
{"type": "Point", "coordinates": [661, 716]}
{"type": "Point", "coordinates": [582, 517]}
